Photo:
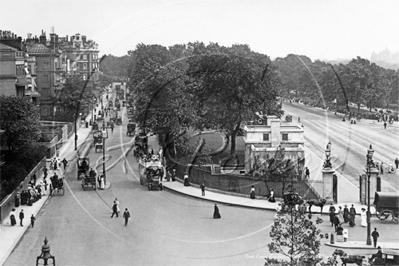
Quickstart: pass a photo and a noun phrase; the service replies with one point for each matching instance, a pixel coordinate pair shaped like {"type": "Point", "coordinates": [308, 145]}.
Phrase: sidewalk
{"type": "Point", "coordinates": [10, 235]}
{"type": "Point", "coordinates": [362, 245]}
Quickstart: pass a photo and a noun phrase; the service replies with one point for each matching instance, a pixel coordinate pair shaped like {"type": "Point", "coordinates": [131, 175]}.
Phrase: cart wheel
{"type": "Point", "coordinates": [384, 215]}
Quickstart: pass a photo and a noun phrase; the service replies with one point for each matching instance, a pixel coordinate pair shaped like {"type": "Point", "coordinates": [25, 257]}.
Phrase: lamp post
{"type": "Point", "coordinates": [45, 256]}
{"type": "Point", "coordinates": [369, 156]}
{"type": "Point", "coordinates": [105, 135]}
{"type": "Point", "coordinates": [327, 163]}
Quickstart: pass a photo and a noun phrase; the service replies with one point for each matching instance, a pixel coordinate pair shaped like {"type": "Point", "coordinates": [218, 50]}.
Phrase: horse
{"type": "Point", "coordinates": [350, 259]}
{"type": "Point", "coordinates": [319, 203]}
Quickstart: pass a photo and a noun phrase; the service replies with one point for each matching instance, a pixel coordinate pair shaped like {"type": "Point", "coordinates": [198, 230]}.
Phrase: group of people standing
{"type": "Point", "coordinates": [343, 216]}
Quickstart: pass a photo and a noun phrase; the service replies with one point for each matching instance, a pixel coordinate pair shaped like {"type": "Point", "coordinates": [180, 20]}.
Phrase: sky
{"type": "Point", "coordinates": [319, 29]}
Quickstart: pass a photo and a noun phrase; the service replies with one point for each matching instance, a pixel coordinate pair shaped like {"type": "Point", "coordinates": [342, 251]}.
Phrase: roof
{"type": "Point", "coordinates": [38, 48]}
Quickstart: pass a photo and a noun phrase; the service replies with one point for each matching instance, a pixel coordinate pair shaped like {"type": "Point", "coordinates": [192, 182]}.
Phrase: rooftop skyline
{"type": "Point", "coordinates": [325, 30]}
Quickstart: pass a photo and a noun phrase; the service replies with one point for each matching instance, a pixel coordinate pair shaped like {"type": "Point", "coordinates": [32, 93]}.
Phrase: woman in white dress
{"type": "Point", "coordinates": [363, 217]}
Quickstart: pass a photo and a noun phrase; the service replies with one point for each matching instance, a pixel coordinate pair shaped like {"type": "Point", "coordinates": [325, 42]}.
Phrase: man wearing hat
{"type": "Point", "coordinates": [375, 236]}
{"type": "Point", "coordinates": [377, 255]}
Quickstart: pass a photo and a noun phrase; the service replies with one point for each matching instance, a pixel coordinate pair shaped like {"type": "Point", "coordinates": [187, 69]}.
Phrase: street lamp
{"type": "Point", "coordinates": [105, 135]}
{"type": "Point", "coordinates": [369, 156]}
{"type": "Point", "coordinates": [45, 256]}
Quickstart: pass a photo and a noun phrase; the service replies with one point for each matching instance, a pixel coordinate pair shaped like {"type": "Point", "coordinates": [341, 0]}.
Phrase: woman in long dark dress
{"type": "Point", "coordinates": [346, 214]}
{"type": "Point", "coordinates": [216, 213]}
{"type": "Point", "coordinates": [12, 217]}
{"type": "Point", "coordinates": [332, 214]}
{"type": "Point", "coordinates": [186, 183]}
{"type": "Point", "coordinates": [252, 193]}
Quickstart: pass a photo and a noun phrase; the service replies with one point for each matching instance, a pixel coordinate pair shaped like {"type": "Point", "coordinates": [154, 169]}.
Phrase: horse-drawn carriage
{"type": "Point", "coordinates": [131, 127]}
{"type": "Point", "coordinates": [98, 140]}
{"type": "Point", "coordinates": [140, 145]}
{"type": "Point", "coordinates": [88, 177]}
{"type": "Point", "coordinates": [386, 206]}
{"type": "Point", "coordinates": [292, 198]}
{"type": "Point", "coordinates": [118, 105]}
{"type": "Point", "coordinates": [57, 185]}
{"type": "Point", "coordinates": [389, 257]}
{"type": "Point", "coordinates": [118, 120]}
{"type": "Point", "coordinates": [151, 171]}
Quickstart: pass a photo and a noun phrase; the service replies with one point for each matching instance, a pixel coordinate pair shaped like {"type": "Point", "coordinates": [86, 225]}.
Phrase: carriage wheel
{"type": "Point", "coordinates": [384, 215]}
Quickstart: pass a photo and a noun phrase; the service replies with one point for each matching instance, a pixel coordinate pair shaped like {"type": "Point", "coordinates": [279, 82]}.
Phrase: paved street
{"type": "Point", "coordinates": [170, 229]}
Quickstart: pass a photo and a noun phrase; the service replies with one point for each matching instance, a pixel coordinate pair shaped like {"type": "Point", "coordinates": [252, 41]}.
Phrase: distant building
{"type": "Point", "coordinates": [261, 142]}
{"type": "Point", "coordinates": [17, 68]}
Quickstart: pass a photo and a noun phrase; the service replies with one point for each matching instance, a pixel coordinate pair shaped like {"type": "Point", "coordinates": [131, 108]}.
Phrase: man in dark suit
{"type": "Point", "coordinates": [126, 215]}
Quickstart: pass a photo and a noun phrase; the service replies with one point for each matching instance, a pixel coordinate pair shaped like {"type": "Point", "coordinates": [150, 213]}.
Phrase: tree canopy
{"type": "Point", "coordinates": [21, 121]}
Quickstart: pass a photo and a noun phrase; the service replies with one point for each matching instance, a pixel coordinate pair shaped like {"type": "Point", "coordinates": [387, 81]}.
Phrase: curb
{"type": "Point", "coordinates": [219, 202]}
{"type": "Point", "coordinates": [361, 246]}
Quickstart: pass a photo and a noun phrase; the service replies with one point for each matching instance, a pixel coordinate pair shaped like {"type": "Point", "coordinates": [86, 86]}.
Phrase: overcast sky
{"type": "Point", "coordinates": [316, 28]}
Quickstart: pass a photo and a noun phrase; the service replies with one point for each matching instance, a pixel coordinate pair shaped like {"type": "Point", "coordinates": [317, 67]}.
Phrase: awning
{"type": "Point", "coordinates": [23, 81]}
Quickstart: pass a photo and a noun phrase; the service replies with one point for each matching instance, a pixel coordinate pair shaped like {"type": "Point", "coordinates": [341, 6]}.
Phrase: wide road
{"type": "Point", "coordinates": [169, 229]}
{"type": "Point", "coordinates": [350, 142]}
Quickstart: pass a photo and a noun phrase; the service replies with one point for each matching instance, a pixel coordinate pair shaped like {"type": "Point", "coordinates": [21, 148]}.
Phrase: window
{"type": "Point", "coordinates": [84, 66]}
{"type": "Point", "coordinates": [84, 56]}
{"type": "Point", "coordinates": [265, 137]}
{"type": "Point", "coordinates": [285, 137]}
{"type": "Point", "coordinates": [20, 70]}
{"type": "Point", "coordinates": [84, 77]}
{"type": "Point", "coordinates": [45, 78]}
{"type": "Point", "coordinates": [45, 92]}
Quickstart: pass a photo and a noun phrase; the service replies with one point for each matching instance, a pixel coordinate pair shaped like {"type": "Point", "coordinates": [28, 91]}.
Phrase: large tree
{"type": "Point", "coordinates": [21, 121]}
{"type": "Point", "coordinates": [230, 85]}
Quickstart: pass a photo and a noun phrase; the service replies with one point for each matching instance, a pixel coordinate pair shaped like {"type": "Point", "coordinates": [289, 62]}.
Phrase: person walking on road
{"type": "Point", "coordinates": [117, 205]}
{"type": "Point", "coordinates": [112, 127]}
{"type": "Point", "coordinates": [307, 173]}
{"type": "Point", "coordinates": [352, 216]}
{"type": "Point", "coordinates": [12, 217]}
{"type": "Point", "coordinates": [346, 214]}
{"type": "Point", "coordinates": [65, 163]}
{"type": "Point", "coordinates": [126, 215]}
{"type": "Point", "coordinates": [174, 175]}
{"type": "Point", "coordinates": [252, 192]}
{"type": "Point", "coordinates": [216, 213]}
{"type": "Point", "coordinates": [114, 210]}
{"type": "Point", "coordinates": [375, 236]}
{"type": "Point", "coordinates": [385, 125]}
{"type": "Point", "coordinates": [340, 215]}
{"type": "Point", "coordinates": [382, 168]}
{"type": "Point", "coordinates": [397, 163]}
{"type": "Point", "coordinates": [332, 214]}
{"type": "Point", "coordinates": [21, 217]}
{"type": "Point", "coordinates": [32, 221]}
{"type": "Point", "coordinates": [203, 188]}
{"type": "Point", "coordinates": [363, 216]}
{"type": "Point", "coordinates": [271, 198]}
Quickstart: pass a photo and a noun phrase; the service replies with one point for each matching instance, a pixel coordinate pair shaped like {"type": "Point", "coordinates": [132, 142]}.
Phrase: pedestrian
{"type": "Point", "coordinates": [363, 216]}
{"type": "Point", "coordinates": [203, 188]}
{"type": "Point", "coordinates": [302, 209]}
{"type": "Point", "coordinates": [114, 210]}
{"type": "Point", "coordinates": [32, 221]}
{"type": "Point", "coordinates": [271, 197]}
{"type": "Point", "coordinates": [55, 164]}
{"type": "Point", "coordinates": [382, 168]}
{"type": "Point", "coordinates": [65, 163]}
{"type": "Point", "coordinates": [117, 206]}
{"type": "Point", "coordinates": [385, 125]}
{"type": "Point", "coordinates": [126, 215]}
{"type": "Point", "coordinates": [99, 181]}
{"type": "Point", "coordinates": [252, 192]}
{"type": "Point", "coordinates": [12, 217]}
{"type": "Point", "coordinates": [377, 255]}
{"type": "Point", "coordinates": [45, 172]}
{"type": "Point", "coordinates": [352, 216]}
{"type": "Point", "coordinates": [375, 236]}
{"type": "Point", "coordinates": [307, 173]}
{"type": "Point", "coordinates": [33, 179]}
{"type": "Point", "coordinates": [332, 214]}
{"type": "Point", "coordinates": [346, 214]}
{"type": "Point", "coordinates": [340, 215]}
{"type": "Point", "coordinates": [216, 213]}
{"type": "Point", "coordinates": [174, 175]}
{"type": "Point", "coordinates": [112, 127]}
{"type": "Point", "coordinates": [21, 217]}
{"type": "Point", "coordinates": [186, 183]}
{"type": "Point", "coordinates": [397, 163]}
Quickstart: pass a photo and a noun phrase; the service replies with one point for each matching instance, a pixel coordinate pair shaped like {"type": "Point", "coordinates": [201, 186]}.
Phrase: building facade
{"type": "Point", "coordinates": [261, 142]}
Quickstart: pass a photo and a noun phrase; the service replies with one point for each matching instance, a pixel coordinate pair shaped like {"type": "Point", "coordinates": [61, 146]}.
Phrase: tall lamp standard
{"type": "Point", "coordinates": [105, 135]}
{"type": "Point", "coordinates": [327, 162]}
{"type": "Point", "coordinates": [369, 156]}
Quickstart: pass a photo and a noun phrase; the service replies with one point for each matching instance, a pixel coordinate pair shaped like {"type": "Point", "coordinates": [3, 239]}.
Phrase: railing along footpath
{"type": "Point", "coordinates": [8, 202]}
{"type": "Point", "coordinates": [238, 184]}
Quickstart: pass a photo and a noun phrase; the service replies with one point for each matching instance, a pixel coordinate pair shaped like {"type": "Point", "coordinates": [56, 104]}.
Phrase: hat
{"type": "Point", "coordinates": [379, 247]}
{"type": "Point", "coordinates": [363, 209]}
